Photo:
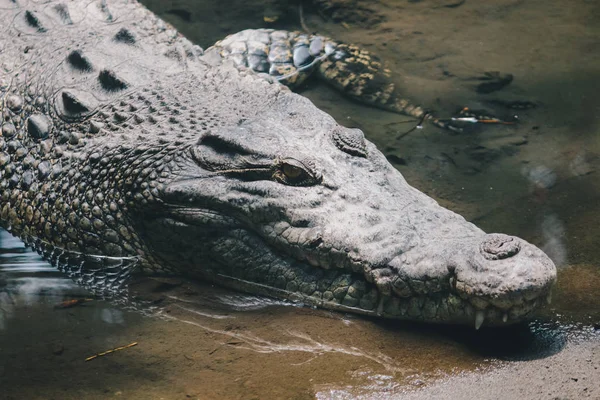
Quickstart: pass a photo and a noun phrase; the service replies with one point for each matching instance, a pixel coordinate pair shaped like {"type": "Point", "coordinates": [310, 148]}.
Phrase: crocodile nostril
{"type": "Point", "coordinates": [498, 247]}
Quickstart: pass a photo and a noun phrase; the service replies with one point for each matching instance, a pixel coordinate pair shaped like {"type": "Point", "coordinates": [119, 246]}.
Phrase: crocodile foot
{"type": "Point", "coordinates": [467, 117]}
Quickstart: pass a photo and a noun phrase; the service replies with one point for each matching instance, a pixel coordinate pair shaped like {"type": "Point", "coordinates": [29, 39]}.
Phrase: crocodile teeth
{"type": "Point", "coordinates": [479, 317]}
{"type": "Point", "coordinates": [549, 298]}
{"type": "Point", "coordinates": [505, 317]}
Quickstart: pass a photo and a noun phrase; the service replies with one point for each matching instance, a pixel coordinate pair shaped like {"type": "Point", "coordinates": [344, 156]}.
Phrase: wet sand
{"type": "Point", "coordinates": [571, 374]}
{"type": "Point", "coordinates": [538, 180]}
{"type": "Point", "coordinates": [202, 342]}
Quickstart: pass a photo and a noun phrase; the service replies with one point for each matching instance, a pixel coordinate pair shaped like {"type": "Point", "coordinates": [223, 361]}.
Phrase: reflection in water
{"type": "Point", "coordinates": [236, 301]}
{"type": "Point", "coordinates": [553, 232]}
{"type": "Point", "coordinates": [6, 308]}
{"type": "Point", "coordinates": [112, 316]}
{"type": "Point", "coordinates": [376, 386]}
{"type": "Point", "coordinates": [26, 280]}
{"type": "Point", "coordinates": [580, 165]}
{"type": "Point", "coordinates": [541, 177]}
{"type": "Point", "coordinates": [306, 345]}
{"type": "Point", "coordinates": [202, 313]}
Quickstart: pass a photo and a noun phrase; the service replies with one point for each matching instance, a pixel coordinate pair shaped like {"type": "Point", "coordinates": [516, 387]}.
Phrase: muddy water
{"type": "Point", "coordinates": [538, 180]}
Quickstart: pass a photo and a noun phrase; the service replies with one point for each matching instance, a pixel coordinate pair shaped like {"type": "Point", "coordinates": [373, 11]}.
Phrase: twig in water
{"type": "Point", "coordinates": [302, 23]}
{"type": "Point", "coordinates": [419, 125]}
{"type": "Point", "coordinates": [71, 303]}
{"type": "Point", "coordinates": [111, 351]}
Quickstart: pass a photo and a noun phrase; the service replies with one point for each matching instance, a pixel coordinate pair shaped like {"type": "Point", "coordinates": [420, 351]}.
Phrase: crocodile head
{"type": "Point", "coordinates": [119, 142]}
{"type": "Point", "coordinates": [292, 205]}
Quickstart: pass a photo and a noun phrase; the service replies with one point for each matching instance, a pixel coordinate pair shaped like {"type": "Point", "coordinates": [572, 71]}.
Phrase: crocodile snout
{"type": "Point", "coordinates": [498, 246]}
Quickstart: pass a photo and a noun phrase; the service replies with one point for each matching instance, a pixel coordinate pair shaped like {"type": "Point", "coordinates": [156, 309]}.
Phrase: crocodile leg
{"type": "Point", "coordinates": [361, 76]}
{"type": "Point", "coordinates": [291, 57]}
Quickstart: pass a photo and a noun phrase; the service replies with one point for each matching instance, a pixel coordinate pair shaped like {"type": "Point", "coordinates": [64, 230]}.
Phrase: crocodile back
{"type": "Point", "coordinates": [90, 93]}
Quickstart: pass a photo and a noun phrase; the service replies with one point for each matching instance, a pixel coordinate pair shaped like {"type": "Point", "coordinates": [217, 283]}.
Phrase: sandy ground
{"type": "Point", "coordinates": [200, 342]}
{"type": "Point", "coordinates": [571, 374]}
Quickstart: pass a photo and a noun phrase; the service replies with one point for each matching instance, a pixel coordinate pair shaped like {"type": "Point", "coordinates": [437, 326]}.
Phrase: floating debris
{"type": "Point", "coordinates": [111, 351]}
{"type": "Point", "coordinates": [71, 303]}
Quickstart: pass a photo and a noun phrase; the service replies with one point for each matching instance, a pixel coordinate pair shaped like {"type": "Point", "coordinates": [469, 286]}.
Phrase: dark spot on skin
{"type": "Point", "coordinates": [110, 82]}
{"type": "Point", "coordinates": [33, 21]}
{"type": "Point", "coordinates": [106, 11]}
{"type": "Point", "coordinates": [455, 5]}
{"type": "Point", "coordinates": [63, 12]}
{"type": "Point", "coordinates": [77, 60]}
{"type": "Point", "coordinates": [72, 104]}
{"type": "Point", "coordinates": [124, 36]}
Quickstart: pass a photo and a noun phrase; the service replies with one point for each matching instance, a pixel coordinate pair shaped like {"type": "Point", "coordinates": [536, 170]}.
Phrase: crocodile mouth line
{"type": "Point", "coordinates": [296, 298]}
{"type": "Point", "coordinates": [491, 316]}
{"type": "Point", "coordinates": [481, 310]}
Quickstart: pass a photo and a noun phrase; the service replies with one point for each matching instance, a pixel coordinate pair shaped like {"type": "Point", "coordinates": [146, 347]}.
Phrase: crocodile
{"type": "Point", "coordinates": [124, 150]}
{"type": "Point", "coordinates": [292, 57]}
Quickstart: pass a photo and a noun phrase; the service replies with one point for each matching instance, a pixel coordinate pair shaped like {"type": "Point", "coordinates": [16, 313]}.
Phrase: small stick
{"type": "Point", "coordinates": [419, 125]}
{"type": "Point", "coordinates": [111, 351]}
{"type": "Point", "coordinates": [302, 23]}
{"type": "Point", "coordinates": [72, 303]}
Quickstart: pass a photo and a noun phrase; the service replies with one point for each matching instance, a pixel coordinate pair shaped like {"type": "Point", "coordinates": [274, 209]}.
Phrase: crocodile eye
{"type": "Point", "coordinates": [293, 172]}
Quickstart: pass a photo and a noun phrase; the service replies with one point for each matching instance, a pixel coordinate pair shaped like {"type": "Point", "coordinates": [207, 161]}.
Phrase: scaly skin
{"type": "Point", "coordinates": [120, 143]}
{"type": "Point", "coordinates": [292, 57]}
